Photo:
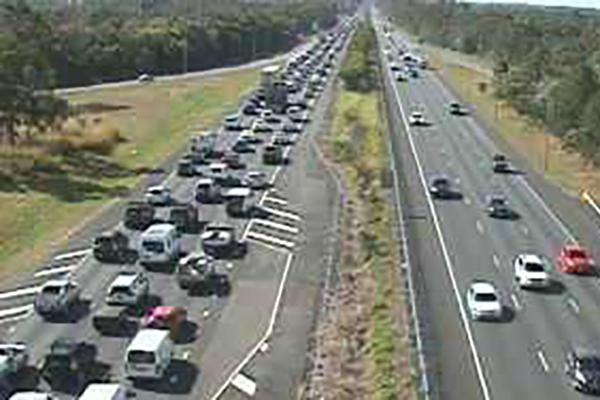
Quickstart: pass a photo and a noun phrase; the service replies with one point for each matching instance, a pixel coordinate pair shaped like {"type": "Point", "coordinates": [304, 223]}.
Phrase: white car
{"type": "Point", "coordinates": [531, 271]}
{"type": "Point", "coordinates": [483, 301]}
{"type": "Point", "coordinates": [255, 180]}
{"type": "Point", "coordinates": [158, 195]}
{"type": "Point", "coordinates": [416, 118]}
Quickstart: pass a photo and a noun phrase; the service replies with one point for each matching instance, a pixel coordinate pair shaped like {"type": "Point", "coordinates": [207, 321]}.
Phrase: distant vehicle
{"type": "Point", "coordinates": [243, 145]}
{"type": "Point", "coordinates": [194, 270]}
{"type": "Point", "coordinates": [158, 195]}
{"type": "Point", "coordinates": [145, 78]}
{"type": "Point", "coordinates": [67, 358]}
{"type": "Point", "coordinates": [500, 164]}
{"type": "Point", "coordinates": [457, 109]}
{"type": "Point", "coordinates": [185, 168]}
{"type": "Point", "coordinates": [57, 297]}
{"type": "Point", "coordinates": [251, 109]}
{"type": "Point", "coordinates": [282, 140]}
{"type": "Point", "coordinates": [129, 288]}
{"type": "Point", "coordinates": [138, 215]}
{"type": "Point", "coordinates": [169, 318]}
{"type": "Point", "coordinates": [220, 240]}
{"type": "Point", "coordinates": [291, 128]}
{"type": "Point", "coordinates": [401, 77]}
{"type": "Point", "coordinates": [576, 259]}
{"type": "Point", "coordinates": [483, 301]}
{"type": "Point", "coordinates": [395, 67]}
{"type": "Point", "coordinates": [261, 126]}
{"type": "Point", "coordinates": [207, 191]}
{"type": "Point", "coordinates": [256, 180]}
{"type": "Point", "coordinates": [184, 216]}
{"type": "Point", "coordinates": [531, 272]}
{"type": "Point", "coordinates": [160, 243]}
{"type": "Point", "coordinates": [111, 246]}
{"type": "Point", "coordinates": [233, 160]}
{"type": "Point", "coordinates": [413, 73]}
{"type": "Point", "coordinates": [234, 123]}
{"type": "Point", "coordinates": [13, 360]}
{"type": "Point", "coordinates": [498, 207]}
{"type": "Point", "coordinates": [251, 139]}
{"type": "Point", "coordinates": [272, 155]}
{"type": "Point", "coordinates": [149, 354]}
{"type": "Point", "coordinates": [416, 118]}
{"type": "Point", "coordinates": [113, 320]}
{"type": "Point", "coordinates": [582, 368]}
{"type": "Point", "coordinates": [440, 187]}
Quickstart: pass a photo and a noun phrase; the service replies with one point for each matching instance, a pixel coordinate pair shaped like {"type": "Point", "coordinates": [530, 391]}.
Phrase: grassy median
{"type": "Point", "coordinates": [53, 184]}
{"type": "Point", "coordinates": [368, 337]}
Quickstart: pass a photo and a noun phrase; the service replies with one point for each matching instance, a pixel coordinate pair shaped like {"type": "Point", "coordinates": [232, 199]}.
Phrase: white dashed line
{"type": "Point", "coordinates": [496, 261]}
{"type": "Point", "coordinates": [276, 200]}
{"type": "Point", "coordinates": [20, 292]}
{"type": "Point", "coordinates": [525, 230]}
{"type": "Point", "coordinates": [55, 271]}
{"type": "Point", "coordinates": [283, 214]}
{"type": "Point", "coordinates": [244, 384]}
{"type": "Point", "coordinates": [573, 304]}
{"type": "Point", "coordinates": [275, 225]}
{"type": "Point", "coordinates": [479, 226]}
{"type": "Point", "coordinates": [515, 300]}
{"type": "Point", "coordinates": [542, 358]}
{"type": "Point", "coordinates": [270, 239]}
{"type": "Point", "coordinates": [467, 201]}
{"type": "Point", "coordinates": [11, 312]}
{"type": "Point", "coordinates": [72, 254]}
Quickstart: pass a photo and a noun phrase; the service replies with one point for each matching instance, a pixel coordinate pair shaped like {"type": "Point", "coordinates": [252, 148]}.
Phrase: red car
{"type": "Point", "coordinates": [165, 317]}
{"type": "Point", "coordinates": [575, 259]}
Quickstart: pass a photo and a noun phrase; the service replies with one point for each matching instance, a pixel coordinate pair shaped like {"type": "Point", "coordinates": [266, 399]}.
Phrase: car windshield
{"type": "Point", "coordinates": [118, 290]}
{"type": "Point", "coordinates": [576, 253]}
{"type": "Point", "coordinates": [534, 267]}
{"type": "Point", "coordinates": [485, 297]}
{"type": "Point", "coordinates": [52, 290]}
{"type": "Point", "coordinates": [153, 246]}
{"type": "Point", "coordinates": [140, 357]}
{"type": "Point", "coordinates": [590, 362]}
{"type": "Point", "coordinates": [497, 201]}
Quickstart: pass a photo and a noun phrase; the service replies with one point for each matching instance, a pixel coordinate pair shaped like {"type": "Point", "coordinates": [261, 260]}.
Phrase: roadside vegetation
{"type": "Point", "coordinates": [367, 339]}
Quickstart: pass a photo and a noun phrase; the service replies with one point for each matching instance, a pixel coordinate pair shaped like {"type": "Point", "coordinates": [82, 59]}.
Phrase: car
{"type": "Point", "coordinates": [457, 109]}
{"type": "Point", "coordinates": [186, 168]}
{"type": "Point", "coordinates": [242, 145]}
{"type": "Point", "coordinates": [531, 272]}
{"type": "Point", "coordinates": [500, 163]}
{"type": "Point", "coordinates": [483, 301]}
{"type": "Point", "coordinates": [417, 118]}
{"type": "Point", "coordinates": [395, 67]}
{"type": "Point", "coordinates": [57, 296]}
{"type": "Point", "coordinates": [440, 187]}
{"type": "Point", "coordinates": [292, 128]}
{"type": "Point", "coordinates": [582, 368]}
{"type": "Point", "coordinates": [67, 358]}
{"type": "Point", "coordinates": [250, 138]}
{"type": "Point", "coordinates": [145, 78]}
{"type": "Point", "coordinates": [129, 288]}
{"type": "Point", "coordinates": [111, 246]}
{"type": "Point", "coordinates": [220, 240]}
{"type": "Point", "coordinates": [170, 318]}
{"type": "Point", "coordinates": [282, 140]}
{"type": "Point", "coordinates": [400, 77]}
{"type": "Point", "coordinates": [498, 207]}
{"type": "Point", "coordinates": [251, 109]}
{"type": "Point", "coordinates": [233, 161]}
{"type": "Point", "coordinates": [260, 126]}
{"type": "Point", "coordinates": [158, 195]}
{"type": "Point", "coordinates": [575, 259]}
{"type": "Point", "coordinates": [273, 119]}
{"type": "Point", "coordinates": [256, 180]}
{"type": "Point", "coordinates": [413, 73]}
{"type": "Point", "coordinates": [194, 269]}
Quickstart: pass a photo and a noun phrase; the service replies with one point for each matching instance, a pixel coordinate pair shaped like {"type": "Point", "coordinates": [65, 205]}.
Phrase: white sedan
{"type": "Point", "coordinates": [531, 272]}
{"type": "Point", "coordinates": [158, 195]}
{"type": "Point", "coordinates": [483, 301]}
{"type": "Point", "coordinates": [416, 118]}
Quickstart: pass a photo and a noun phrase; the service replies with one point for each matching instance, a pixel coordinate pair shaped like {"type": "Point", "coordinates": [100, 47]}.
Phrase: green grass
{"type": "Point", "coordinates": [43, 195]}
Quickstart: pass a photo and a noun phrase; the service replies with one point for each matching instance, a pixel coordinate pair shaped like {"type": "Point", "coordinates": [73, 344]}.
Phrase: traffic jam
{"type": "Point", "coordinates": [170, 261]}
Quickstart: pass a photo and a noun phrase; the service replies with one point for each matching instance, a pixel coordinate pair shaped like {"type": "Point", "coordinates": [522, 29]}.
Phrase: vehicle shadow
{"type": "Point", "coordinates": [555, 287]}
{"type": "Point", "coordinates": [179, 379]}
{"type": "Point", "coordinates": [161, 268]}
{"type": "Point", "coordinates": [188, 332]}
{"type": "Point", "coordinates": [219, 285]}
{"type": "Point", "coordinates": [76, 313]}
{"type": "Point", "coordinates": [508, 315]}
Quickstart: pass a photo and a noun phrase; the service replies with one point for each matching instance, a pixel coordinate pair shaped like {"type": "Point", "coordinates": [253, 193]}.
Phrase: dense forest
{"type": "Point", "coordinates": [46, 44]}
{"type": "Point", "coordinates": [546, 60]}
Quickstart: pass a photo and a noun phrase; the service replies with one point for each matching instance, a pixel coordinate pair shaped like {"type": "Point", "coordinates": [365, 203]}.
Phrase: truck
{"type": "Point", "coordinates": [13, 361]}
{"type": "Point", "coordinates": [138, 215]}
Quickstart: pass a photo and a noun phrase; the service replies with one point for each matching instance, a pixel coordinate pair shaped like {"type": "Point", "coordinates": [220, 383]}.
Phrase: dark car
{"type": "Point", "coordinates": [498, 207]}
{"type": "Point", "coordinates": [186, 168]}
{"type": "Point", "coordinates": [111, 246]}
{"type": "Point", "coordinates": [67, 357]}
{"type": "Point", "coordinates": [457, 109]}
{"type": "Point", "coordinates": [583, 370]}
{"type": "Point", "coordinates": [440, 187]}
{"type": "Point", "coordinates": [500, 164]}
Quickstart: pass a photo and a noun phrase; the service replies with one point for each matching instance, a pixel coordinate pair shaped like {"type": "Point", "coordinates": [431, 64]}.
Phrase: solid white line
{"type": "Point", "coordinates": [586, 196]}
{"type": "Point", "coordinates": [20, 292]}
{"type": "Point", "coordinates": [276, 200]}
{"type": "Point", "coordinates": [283, 214]}
{"type": "Point", "coordinates": [515, 300]}
{"type": "Point", "coordinates": [11, 312]}
{"type": "Point", "coordinates": [448, 262]}
{"type": "Point", "coordinates": [269, 239]}
{"type": "Point", "coordinates": [479, 226]}
{"type": "Point", "coordinates": [54, 271]}
{"type": "Point", "coordinates": [247, 229]}
{"type": "Point", "coordinates": [281, 227]}
{"type": "Point", "coordinates": [267, 335]}
{"type": "Point", "coordinates": [244, 384]}
{"type": "Point", "coordinates": [274, 176]}
{"type": "Point", "coordinates": [573, 303]}
{"type": "Point", "coordinates": [72, 254]}
{"type": "Point", "coordinates": [542, 358]}
{"type": "Point", "coordinates": [496, 261]}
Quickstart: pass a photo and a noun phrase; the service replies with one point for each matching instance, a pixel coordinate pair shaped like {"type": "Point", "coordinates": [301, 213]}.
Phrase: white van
{"type": "Point", "coordinates": [149, 354]}
{"type": "Point", "coordinates": [105, 391]}
{"type": "Point", "coordinates": [159, 243]}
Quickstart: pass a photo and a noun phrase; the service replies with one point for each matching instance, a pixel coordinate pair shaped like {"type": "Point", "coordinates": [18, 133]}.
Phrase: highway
{"type": "Point", "coordinates": [454, 242]}
{"type": "Point", "coordinates": [227, 329]}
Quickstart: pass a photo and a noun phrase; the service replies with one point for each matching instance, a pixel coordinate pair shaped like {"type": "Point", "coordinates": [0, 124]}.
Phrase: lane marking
{"type": "Point", "coordinates": [448, 263]}
{"type": "Point", "coordinates": [55, 271]}
{"type": "Point", "coordinates": [467, 201]}
{"type": "Point", "coordinates": [276, 200]}
{"type": "Point", "coordinates": [525, 229]}
{"type": "Point", "coordinates": [274, 176]}
{"type": "Point", "coordinates": [573, 304]}
{"type": "Point", "coordinates": [479, 226]}
{"type": "Point", "coordinates": [496, 261]}
{"type": "Point", "coordinates": [72, 254]}
{"type": "Point", "coordinates": [20, 292]}
{"type": "Point", "coordinates": [283, 214]}
{"type": "Point", "coordinates": [245, 384]}
{"type": "Point", "coordinates": [11, 312]}
{"type": "Point", "coordinates": [515, 300]}
{"type": "Point", "coordinates": [281, 227]}
{"type": "Point", "coordinates": [247, 229]}
{"type": "Point", "coordinates": [270, 239]}
{"type": "Point", "coordinates": [542, 358]}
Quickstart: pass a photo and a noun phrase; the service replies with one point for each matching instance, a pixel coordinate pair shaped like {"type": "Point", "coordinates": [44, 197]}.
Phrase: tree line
{"type": "Point", "coordinates": [47, 44]}
{"type": "Point", "coordinates": [546, 59]}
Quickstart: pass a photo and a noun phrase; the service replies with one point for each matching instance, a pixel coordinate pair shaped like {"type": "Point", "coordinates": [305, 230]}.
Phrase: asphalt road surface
{"type": "Point", "coordinates": [280, 273]}
{"type": "Point", "coordinates": [454, 242]}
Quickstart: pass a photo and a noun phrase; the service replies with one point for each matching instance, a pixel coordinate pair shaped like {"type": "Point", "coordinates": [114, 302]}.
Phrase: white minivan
{"type": "Point", "coordinates": [159, 243]}
{"type": "Point", "coordinates": [149, 354]}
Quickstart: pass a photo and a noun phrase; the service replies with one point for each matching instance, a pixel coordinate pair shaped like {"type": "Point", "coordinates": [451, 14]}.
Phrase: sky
{"type": "Point", "coordinates": [570, 3]}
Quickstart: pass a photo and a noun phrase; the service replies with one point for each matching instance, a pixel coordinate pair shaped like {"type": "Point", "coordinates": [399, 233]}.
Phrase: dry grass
{"type": "Point", "coordinates": [545, 154]}
{"type": "Point", "coordinates": [48, 188]}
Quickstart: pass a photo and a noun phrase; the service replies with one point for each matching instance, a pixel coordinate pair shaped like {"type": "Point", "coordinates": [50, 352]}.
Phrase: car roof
{"type": "Point", "coordinates": [148, 339]}
{"type": "Point", "coordinates": [56, 282]}
{"type": "Point", "coordinates": [483, 287]}
{"type": "Point", "coordinates": [531, 259]}
{"type": "Point", "coordinates": [124, 280]}
{"type": "Point", "coordinates": [158, 229]}
{"type": "Point", "coordinates": [158, 187]}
